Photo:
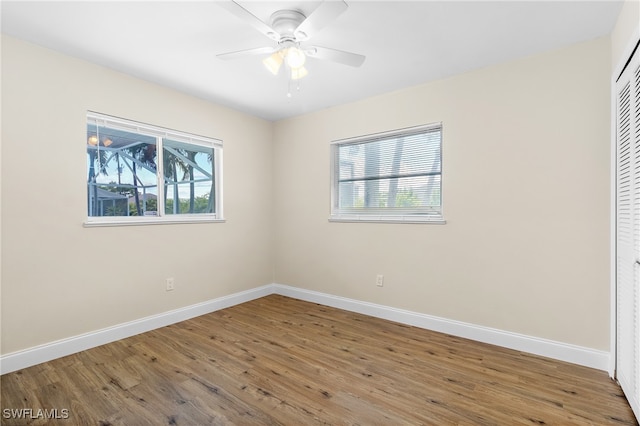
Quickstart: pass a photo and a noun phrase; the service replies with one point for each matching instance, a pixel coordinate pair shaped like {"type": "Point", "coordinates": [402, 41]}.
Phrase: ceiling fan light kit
{"type": "Point", "coordinates": [290, 28]}
{"type": "Point", "coordinates": [292, 56]}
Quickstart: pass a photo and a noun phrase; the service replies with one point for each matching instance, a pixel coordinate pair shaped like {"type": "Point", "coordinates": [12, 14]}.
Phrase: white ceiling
{"type": "Point", "coordinates": [175, 43]}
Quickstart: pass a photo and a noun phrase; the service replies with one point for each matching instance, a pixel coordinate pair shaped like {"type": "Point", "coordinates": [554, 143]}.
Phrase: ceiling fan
{"type": "Point", "coordinates": [291, 29]}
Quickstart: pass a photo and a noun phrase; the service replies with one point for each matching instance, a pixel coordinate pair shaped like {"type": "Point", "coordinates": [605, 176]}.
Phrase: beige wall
{"type": "Point", "coordinates": [60, 279]}
{"type": "Point", "coordinates": [625, 31]}
{"type": "Point", "coordinates": [526, 199]}
{"type": "Point", "coordinates": [530, 255]}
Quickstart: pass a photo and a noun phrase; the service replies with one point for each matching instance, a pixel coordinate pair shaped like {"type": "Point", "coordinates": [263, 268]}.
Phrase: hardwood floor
{"type": "Point", "coordinates": [281, 361]}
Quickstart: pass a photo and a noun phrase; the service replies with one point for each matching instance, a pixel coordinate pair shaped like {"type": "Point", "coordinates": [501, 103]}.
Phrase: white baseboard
{"type": "Point", "coordinates": [49, 351]}
{"type": "Point", "coordinates": [548, 348]}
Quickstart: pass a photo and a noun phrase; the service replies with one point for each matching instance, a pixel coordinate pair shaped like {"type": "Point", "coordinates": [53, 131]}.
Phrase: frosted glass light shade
{"type": "Point", "coordinates": [298, 73]}
{"type": "Point", "coordinates": [295, 58]}
{"type": "Point", "coordinates": [273, 62]}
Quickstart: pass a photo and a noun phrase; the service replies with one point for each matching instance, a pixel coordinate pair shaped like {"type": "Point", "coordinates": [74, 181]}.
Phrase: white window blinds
{"type": "Point", "coordinates": [390, 176]}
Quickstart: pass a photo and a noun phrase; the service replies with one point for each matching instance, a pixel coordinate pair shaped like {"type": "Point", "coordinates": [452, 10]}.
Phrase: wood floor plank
{"type": "Point", "coordinates": [282, 361]}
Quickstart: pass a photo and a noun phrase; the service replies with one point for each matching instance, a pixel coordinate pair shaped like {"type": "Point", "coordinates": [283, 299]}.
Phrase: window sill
{"type": "Point", "coordinates": [433, 220]}
{"type": "Point", "coordinates": [137, 221]}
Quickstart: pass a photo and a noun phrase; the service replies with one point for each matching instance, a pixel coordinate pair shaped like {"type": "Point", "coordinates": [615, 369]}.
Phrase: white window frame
{"type": "Point", "coordinates": [161, 133]}
{"type": "Point", "coordinates": [380, 215]}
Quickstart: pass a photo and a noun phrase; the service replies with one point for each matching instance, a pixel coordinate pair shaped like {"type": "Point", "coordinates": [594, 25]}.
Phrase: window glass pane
{"type": "Point", "coordinates": [188, 178]}
{"type": "Point", "coordinates": [403, 193]}
{"type": "Point", "coordinates": [398, 174]}
{"type": "Point", "coordinates": [121, 169]}
{"type": "Point", "coordinates": [136, 169]}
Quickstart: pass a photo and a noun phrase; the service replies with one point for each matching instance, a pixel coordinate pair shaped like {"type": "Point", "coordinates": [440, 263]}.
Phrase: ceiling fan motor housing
{"type": "Point", "coordinates": [285, 23]}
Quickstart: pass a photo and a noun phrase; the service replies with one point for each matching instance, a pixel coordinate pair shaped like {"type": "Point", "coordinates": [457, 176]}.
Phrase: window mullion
{"type": "Point", "coordinates": [160, 175]}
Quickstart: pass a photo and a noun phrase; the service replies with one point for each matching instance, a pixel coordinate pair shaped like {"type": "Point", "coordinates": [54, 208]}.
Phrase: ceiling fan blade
{"type": "Point", "coordinates": [250, 18]}
{"type": "Point", "coordinates": [319, 18]}
{"type": "Point", "coordinates": [247, 52]}
{"type": "Point", "coordinates": [346, 58]}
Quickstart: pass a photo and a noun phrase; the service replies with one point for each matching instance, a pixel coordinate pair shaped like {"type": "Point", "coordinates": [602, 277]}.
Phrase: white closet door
{"type": "Point", "coordinates": [628, 232]}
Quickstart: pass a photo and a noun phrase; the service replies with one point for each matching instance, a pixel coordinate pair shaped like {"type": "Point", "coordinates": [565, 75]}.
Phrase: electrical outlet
{"type": "Point", "coordinates": [379, 280]}
{"type": "Point", "coordinates": [170, 284]}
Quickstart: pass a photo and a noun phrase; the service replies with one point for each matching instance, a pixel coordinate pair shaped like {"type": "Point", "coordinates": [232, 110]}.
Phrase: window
{"type": "Point", "coordinates": [392, 176]}
{"type": "Point", "coordinates": [139, 173]}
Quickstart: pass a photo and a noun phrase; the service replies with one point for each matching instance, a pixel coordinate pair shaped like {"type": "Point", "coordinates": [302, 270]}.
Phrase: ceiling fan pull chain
{"type": "Point", "coordinates": [290, 81]}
